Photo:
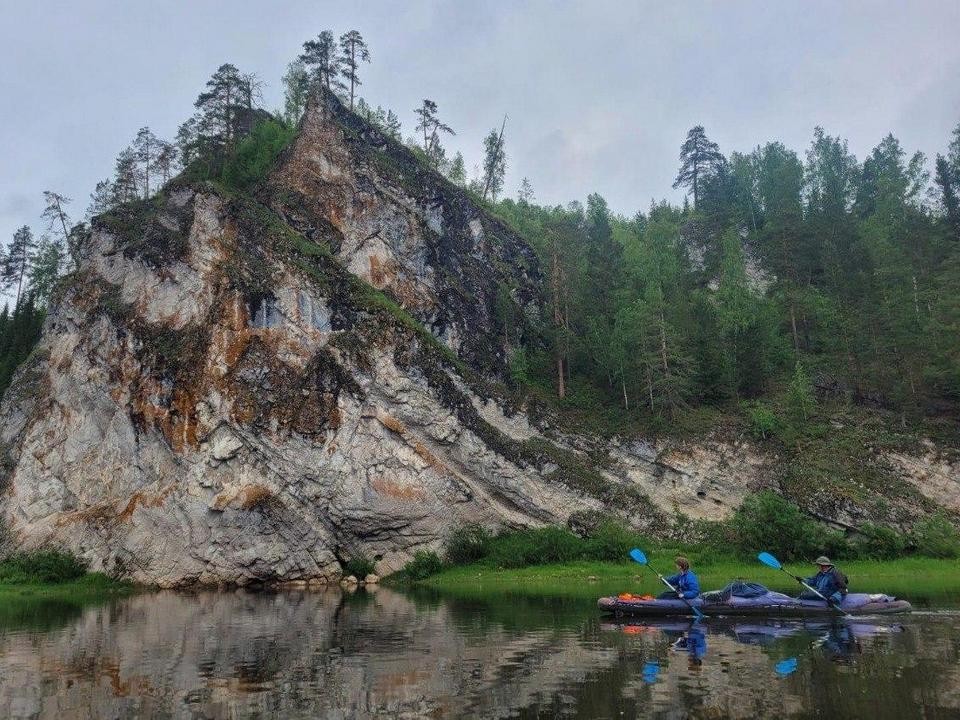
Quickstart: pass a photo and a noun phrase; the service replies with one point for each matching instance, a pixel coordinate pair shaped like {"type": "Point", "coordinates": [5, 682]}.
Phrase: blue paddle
{"type": "Point", "coordinates": [785, 667]}
{"type": "Point", "coordinates": [770, 561]}
{"type": "Point", "coordinates": [650, 671]}
{"type": "Point", "coordinates": [638, 556]}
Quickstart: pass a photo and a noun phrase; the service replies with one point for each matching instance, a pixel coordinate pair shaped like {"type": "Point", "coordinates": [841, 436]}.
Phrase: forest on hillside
{"type": "Point", "coordinates": [780, 273]}
{"type": "Point", "coordinates": [784, 277]}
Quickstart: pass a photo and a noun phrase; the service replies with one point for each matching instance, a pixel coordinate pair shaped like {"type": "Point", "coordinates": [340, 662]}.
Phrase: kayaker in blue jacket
{"type": "Point", "coordinates": [684, 581]}
{"type": "Point", "coordinates": [829, 582]}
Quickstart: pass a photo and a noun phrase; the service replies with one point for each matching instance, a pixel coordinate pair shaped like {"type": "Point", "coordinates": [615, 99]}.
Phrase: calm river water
{"type": "Point", "coordinates": [394, 655]}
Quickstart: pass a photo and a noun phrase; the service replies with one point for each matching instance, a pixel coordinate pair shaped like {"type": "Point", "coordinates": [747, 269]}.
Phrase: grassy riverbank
{"type": "Point", "coordinates": [44, 587]}
{"type": "Point", "coordinates": [912, 578]}
{"type": "Point", "coordinates": [91, 586]}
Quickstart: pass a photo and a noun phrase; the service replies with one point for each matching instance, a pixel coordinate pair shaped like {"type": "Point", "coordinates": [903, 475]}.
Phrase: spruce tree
{"type": "Point", "coordinates": [19, 261]}
{"type": "Point", "coordinates": [45, 271]}
{"type": "Point", "coordinates": [525, 192]}
{"type": "Point", "coordinates": [948, 183]}
{"type": "Point", "coordinates": [457, 173]}
{"type": "Point", "coordinates": [494, 163]}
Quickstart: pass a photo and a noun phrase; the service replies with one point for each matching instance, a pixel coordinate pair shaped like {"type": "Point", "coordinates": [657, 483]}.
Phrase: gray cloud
{"type": "Point", "coordinates": [599, 94]}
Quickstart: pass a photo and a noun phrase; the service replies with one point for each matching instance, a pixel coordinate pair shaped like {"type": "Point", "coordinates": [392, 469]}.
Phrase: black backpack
{"type": "Point", "coordinates": [842, 581]}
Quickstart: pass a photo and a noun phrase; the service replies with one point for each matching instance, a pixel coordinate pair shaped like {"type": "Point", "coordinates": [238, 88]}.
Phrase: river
{"type": "Point", "coordinates": [391, 654]}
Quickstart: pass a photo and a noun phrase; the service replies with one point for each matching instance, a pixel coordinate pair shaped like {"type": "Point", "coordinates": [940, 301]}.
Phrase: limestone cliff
{"type": "Point", "coordinates": [239, 389]}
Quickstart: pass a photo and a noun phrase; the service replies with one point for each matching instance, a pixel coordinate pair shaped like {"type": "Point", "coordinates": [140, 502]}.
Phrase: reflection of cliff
{"type": "Point", "coordinates": [292, 655]}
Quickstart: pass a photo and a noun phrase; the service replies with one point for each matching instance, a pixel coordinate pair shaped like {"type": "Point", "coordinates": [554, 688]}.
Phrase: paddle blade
{"type": "Point", "coordinates": [785, 667]}
{"type": "Point", "coordinates": [769, 560]}
{"type": "Point", "coordinates": [650, 671]}
{"type": "Point", "coordinates": [637, 555]}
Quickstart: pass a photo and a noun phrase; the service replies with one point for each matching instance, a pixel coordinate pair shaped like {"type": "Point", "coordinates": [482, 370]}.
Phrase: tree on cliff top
{"type": "Point", "coordinates": [699, 157]}
{"type": "Point", "coordinates": [321, 59]}
{"type": "Point", "coordinates": [218, 106]}
{"type": "Point", "coordinates": [55, 214]}
{"type": "Point", "coordinates": [353, 50]}
{"type": "Point", "coordinates": [431, 127]}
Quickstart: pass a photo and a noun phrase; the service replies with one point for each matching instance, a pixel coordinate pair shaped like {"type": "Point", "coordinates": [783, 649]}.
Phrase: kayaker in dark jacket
{"type": "Point", "coordinates": [684, 581]}
{"type": "Point", "coordinates": [829, 582]}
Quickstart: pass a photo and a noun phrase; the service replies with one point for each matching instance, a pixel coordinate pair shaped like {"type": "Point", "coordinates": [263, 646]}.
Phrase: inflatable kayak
{"type": "Point", "coordinates": [760, 602]}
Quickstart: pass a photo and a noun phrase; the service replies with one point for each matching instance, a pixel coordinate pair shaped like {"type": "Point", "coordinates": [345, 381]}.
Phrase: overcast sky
{"type": "Point", "coordinates": [599, 94]}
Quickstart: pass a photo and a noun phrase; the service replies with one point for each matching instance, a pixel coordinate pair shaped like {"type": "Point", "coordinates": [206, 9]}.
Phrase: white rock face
{"type": "Point", "coordinates": [226, 407]}
{"type": "Point", "coordinates": [178, 479]}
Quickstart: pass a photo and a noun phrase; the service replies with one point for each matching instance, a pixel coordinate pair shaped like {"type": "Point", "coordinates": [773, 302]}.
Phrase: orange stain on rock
{"type": "Point", "coordinates": [395, 490]}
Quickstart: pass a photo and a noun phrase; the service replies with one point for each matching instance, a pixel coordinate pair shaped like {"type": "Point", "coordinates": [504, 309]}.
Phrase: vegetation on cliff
{"type": "Point", "coordinates": [810, 303]}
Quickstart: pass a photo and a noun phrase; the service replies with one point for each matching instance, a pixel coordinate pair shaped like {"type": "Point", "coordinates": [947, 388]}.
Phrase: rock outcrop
{"type": "Point", "coordinates": [238, 389]}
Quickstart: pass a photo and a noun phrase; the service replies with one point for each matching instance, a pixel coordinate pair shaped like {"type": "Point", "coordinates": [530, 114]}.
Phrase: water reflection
{"type": "Point", "coordinates": [389, 654]}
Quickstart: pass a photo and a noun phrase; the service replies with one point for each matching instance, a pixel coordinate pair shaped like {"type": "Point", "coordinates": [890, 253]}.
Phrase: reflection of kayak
{"type": "Point", "coordinates": [759, 631]}
{"type": "Point", "coordinates": [769, 604]}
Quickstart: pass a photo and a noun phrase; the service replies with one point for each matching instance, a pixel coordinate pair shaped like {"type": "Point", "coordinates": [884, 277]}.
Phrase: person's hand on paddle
{"type": "Point", "coordinates": [798, 578]}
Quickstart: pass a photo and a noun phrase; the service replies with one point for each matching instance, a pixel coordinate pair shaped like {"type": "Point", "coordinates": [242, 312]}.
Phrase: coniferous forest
{"type": "Point", "coordinates": [782, 275]}
{"type": "Point", "coordinates": [786, 278]}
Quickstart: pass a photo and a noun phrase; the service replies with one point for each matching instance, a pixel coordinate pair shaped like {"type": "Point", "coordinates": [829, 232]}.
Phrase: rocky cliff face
{"type": "Point", "coordinates": [242, 390]}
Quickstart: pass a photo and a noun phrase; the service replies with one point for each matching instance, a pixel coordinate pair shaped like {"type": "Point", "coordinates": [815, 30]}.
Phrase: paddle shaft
{"type": "Point", "coordinates": [817, 593]}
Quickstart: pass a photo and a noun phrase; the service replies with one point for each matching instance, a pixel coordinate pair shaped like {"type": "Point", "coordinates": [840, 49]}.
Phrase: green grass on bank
{"type": "Point", "coordinates": [50, 575]}
{"type": "Point", "coordinates": [89, 586]}
{"type": "Point", "coordinates": [46, 606]}
{"type": "Point", "coordinates": [916, 579]}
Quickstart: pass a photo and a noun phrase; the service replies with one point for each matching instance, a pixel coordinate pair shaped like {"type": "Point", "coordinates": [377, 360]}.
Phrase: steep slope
{"type": "Point", "coordinates": [222, 395]}
{"type": "Point", "coordinates": [408, 231]}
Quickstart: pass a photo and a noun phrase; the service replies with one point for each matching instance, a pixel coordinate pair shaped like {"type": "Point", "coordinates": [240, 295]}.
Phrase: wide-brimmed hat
{"type": "Point", "coordinates": [823, 560]}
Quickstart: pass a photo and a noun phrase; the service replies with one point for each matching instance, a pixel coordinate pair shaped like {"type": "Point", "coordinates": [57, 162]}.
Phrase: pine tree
{"type": "Point", "coordinates": [165, 161]}
{"type": "Point", "coordinates": [699, 157]}
{"type": "Point", "coordinates": [219, 109]}
{"type": "Point", "coordinates": [145, 151]}
{"type": "Point", "coordinates": [353, 51]}
{"type": "Point", "coordinates": [55, 213]}
{"type": "Point", "coordinates": [322, 62]}
{"type": "Point", "coordinates": [431, 126]}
